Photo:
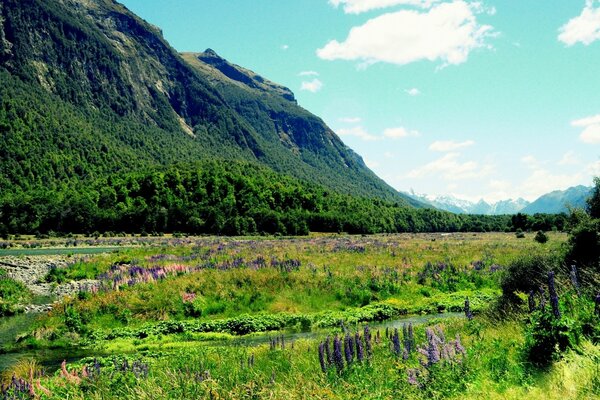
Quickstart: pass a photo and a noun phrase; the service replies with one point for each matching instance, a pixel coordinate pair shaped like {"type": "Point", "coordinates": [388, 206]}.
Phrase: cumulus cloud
{"type": "Point", "coordinates": [451, 169]}
{"type": "Point", "coordinates": [412, 92]}
{"type": "Point", "coordinates": [584, 28]}
{"type": "Point", "coordinates": [312, 86]}
{"type": "Point", "coordinates": [447, 32]}
{"type": "Point", "coordinates": [357, 131]}
{"type": "Point", "coordinates": [591, 129]}
{"type": "Point", "coordinates": [400, 132]}
{"type": "Point", "coordinates": [360, 6]}
{"type": "Point", "coordinates": [569, 158]}
{"type": "Point", "coordinates": [308, 73]}
{"type": "Point", "coordinates": [449, 145]}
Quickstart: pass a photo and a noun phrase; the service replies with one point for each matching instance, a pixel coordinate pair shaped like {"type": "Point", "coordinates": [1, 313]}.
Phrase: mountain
{"type": "Point", "coordinates": [559, 201]}
{"type": "Point", "coordinates": [87, 89]}
{"type": "Point", "coordinates": [461, 206]}
{"type": "Point", "coordinates": [554, 202]}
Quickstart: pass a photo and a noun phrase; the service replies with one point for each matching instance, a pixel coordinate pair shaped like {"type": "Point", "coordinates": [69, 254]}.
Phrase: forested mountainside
{"type": "Point", "coordinates": [88, 88]}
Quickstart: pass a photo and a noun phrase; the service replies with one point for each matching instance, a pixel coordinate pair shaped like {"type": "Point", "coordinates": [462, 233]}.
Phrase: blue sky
{"type": "Point", "coordinates": [490, 99]}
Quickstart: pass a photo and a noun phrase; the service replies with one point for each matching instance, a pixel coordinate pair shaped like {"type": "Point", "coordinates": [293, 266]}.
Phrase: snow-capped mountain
{"type": "Point", "coordinates": [555, 202]}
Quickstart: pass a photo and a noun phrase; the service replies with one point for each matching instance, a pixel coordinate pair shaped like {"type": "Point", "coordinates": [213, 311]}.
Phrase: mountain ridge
{"type": "Point", "coordinates": [555, 202]}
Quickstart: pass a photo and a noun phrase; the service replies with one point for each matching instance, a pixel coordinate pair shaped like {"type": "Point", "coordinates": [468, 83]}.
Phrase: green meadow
{"type": "Point", "coordinates": [261, 318]}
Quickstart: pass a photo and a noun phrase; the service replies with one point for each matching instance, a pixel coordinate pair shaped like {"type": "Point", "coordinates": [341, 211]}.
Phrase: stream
{"type": "Point", "coordinates": [50, 359]}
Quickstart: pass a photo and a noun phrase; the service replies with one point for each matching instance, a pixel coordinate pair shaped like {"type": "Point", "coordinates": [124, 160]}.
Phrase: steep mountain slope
{"type": "Point", "coordinates": [559, 201]}
{"type": "Point", "coordinates": [87, 88]}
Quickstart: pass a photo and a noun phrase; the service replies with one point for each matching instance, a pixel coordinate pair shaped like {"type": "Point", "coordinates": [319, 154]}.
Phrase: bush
{"type": "Point", "coordinates": [525, 274]}
{"type": "Point", "coordinates": [546, 337]}
{"type": "Point", "coordinates": [541, 237]}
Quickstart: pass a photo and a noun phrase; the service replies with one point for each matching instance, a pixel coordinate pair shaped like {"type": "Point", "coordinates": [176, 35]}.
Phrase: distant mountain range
{"type": "Point", "coordinates": [551, 203]}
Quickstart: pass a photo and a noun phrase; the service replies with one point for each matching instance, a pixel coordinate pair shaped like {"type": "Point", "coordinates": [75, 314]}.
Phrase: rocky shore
{"type": "Point", "coordinates": [32, 270]}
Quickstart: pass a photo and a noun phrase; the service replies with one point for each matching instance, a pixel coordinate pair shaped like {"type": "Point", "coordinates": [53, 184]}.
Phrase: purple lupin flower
{"type": "Point", "coordinates": [542, 299]}
{"type": "Point", "coordinates": [458, 345]}
{"type": "Point", "coordinates": [328, 352]}
{"type": "Point", "coordinates": [360, 355]}
{"type": "Point", "coordinates": [412, 375]}
{"type": "Point", "coordinates": [553, 295]}
{"type": "Point", "coordinates": [368, 341]}
{"type": "Point", "coordinates": [433, 351]}
{"type": "Point", "coordinates": [338, 358]}
{"type": "Point", "coordinates": [597, 308]}
{"type": "Point", "coordinates": [411, 338]}
{"type": "Point", "coordinates": [468, 312]}
{"type": "Point", "coordinates": [531, 301]}
{"type": "Point", "coordinates": [574, 279]}
{"type": "Point", "coordinates": [378, 337]}
{"type": "Point", "coordinates": [322, 357]}
{"type": "Point", "coordinates": [348, 349]}
{"type": "Point", "coordinates": [396, 342]}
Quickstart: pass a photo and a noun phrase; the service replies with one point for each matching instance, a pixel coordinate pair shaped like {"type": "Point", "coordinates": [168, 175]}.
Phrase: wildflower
{"type": "Point", "coordinates": [574, 279]}
{"type": "Point", "coordinates": [542, 299]}
{"type": "Point", "coordinates": [396, 342]}
{"type": "Point", "coordinates": [597, 308]}
{"type": "Point", "coordinates": [338, 359]}
{"type": "Point", "coordinates": [360, 355]}
{"type": "Point", "coordinates": [368, 341]}
{"type": "Point", "coordinates": [433, 350]}
{"type": "Point", "coordinates": [413, 373]}
{"type": "Point", "coordinates": [531, 301]}
{"type": "Point", "coordinates": [322, 357]}
{"type": "Point", "coordinates": [348, 349]}
{"type": "Point", "coordinates": [458, 345]}
{"type": "Point", "coordinates": [328, 352]}
{"type": "Point", "coordinates": [553, 295]}
{"type": "Point", "coordinates": [468, 312]}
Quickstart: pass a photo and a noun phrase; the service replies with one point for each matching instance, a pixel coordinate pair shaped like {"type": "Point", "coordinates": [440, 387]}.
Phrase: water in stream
{"type": "Point", "coordinates": [11, 327]}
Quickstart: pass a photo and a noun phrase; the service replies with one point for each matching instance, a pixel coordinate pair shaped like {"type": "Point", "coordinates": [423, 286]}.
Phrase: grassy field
{"type": "Point", "coordinates": [263, 318]}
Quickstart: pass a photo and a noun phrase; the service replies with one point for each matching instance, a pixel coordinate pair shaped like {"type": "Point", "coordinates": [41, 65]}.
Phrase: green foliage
{"type": "Point", "coordinates": [525, 274]}
{"type": "Point", "coordinates": [541, 237]}
{"type": "Point", "coordinates": [13, 295]}
{"type": "Point", "coordinates": [546, 337]}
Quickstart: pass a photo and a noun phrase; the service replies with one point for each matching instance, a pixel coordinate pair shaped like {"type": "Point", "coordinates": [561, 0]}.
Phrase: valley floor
{"type": "Point", "coordinates": [319, 317]}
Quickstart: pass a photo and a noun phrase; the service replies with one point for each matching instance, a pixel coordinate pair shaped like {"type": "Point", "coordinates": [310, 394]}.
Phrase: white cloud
{"type": "Point", "coordinates": [542, 181]}
{"type": "Point", "coordinates": [312, 86]}
{"type": "Point", "coordinates": [584, 122]}
{"type": "Point", "coordinates": [584, 28]}
{"type": "Point", "coordinates": [388, 154]}
{"type": "Point", "coordinates": [530, 161]}
{"type": "Point", "coordinates": [591, 129]}
{"type": "Point", "coordinates": [569, 158]}
{"type": "Point", "coordinates": [591, 134]}
{"type": "Point", "coordinates": [399, 132]}
{"type": "Point", "coordinates": [447, 32]}
{"type": "Point", "coordinates": [449, 145]}
{"type": "Point", "coordinates": [593, 169]}
{"type": "Point", "coordinates": [451, 169]}
{"type": "Point", "coordinates": [412, 92]}
{"type": "Point", "coordinates": [308, 73]}
{"type": "Point", "coordinates": [357, 131]}
{"type": "Point", "coordinates": [284, 47]}
{"type": "Point", "coordinates": [350, 120]}
{"type": "Point", "coordinates": [360, 6]}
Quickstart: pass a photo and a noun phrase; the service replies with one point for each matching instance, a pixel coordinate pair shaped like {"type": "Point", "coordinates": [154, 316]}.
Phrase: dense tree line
{"type": "Point", "coordinates": [218, 198]}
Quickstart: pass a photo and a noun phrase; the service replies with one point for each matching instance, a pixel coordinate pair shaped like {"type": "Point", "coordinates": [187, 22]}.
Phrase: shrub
{"type": "Point", "coordinates": [541, 237]}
